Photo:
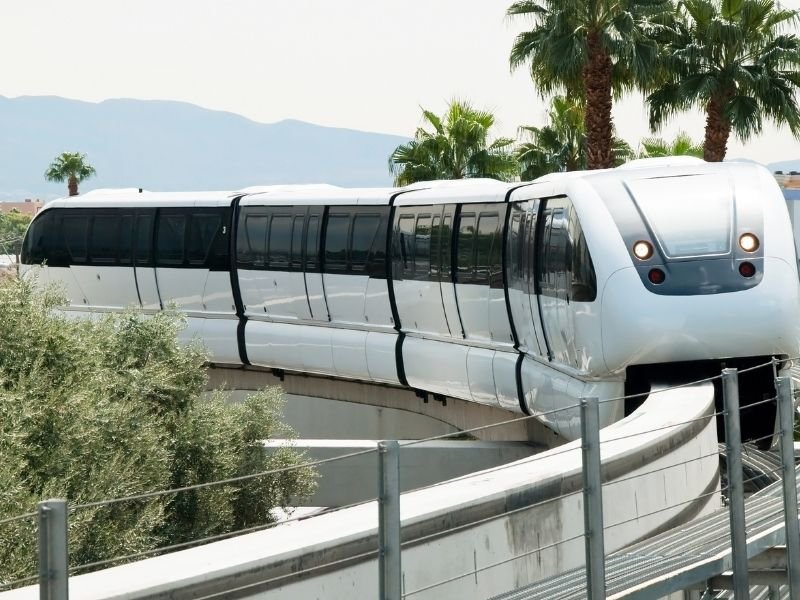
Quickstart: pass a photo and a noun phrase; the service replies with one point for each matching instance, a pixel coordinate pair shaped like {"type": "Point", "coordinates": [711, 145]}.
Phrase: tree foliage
{"type": "Point", "coordinates": [456, 146]}
{"type": "Point", "coordinates": [560, 145]}
{"type": "Point", "coordinates": [12, 229]}
{"type": "Point", "coordinates": [588, 50]}
{"type": "Point", "coordinates": [95, 410]}
{"type": "Point", "coordinates": [682, 145]}
{"type": "Point", "coordinates": [732, 59]}
{"type": "Point", "coordinates": [71, 167]}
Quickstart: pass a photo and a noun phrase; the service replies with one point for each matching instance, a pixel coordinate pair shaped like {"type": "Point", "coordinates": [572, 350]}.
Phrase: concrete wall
{"type": "Point", "coordinates": [483, 534]}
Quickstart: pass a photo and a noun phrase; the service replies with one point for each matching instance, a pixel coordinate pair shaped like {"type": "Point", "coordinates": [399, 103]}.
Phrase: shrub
{"type": "Point", "coordinates": [99, 409]}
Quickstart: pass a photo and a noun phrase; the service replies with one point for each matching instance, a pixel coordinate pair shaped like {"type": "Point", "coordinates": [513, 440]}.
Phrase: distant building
{"type": "Point", "coordinates": [788, 181]}
{"type": "Point", "coordinates": [27, 207]}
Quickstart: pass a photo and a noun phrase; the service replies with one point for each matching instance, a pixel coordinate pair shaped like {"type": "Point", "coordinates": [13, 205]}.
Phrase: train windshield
{"type": "Point", "coordinates": [690, 216]}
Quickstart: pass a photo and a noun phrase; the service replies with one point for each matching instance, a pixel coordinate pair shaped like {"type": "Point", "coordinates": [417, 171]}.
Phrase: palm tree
{"type": "Point", "coordinates": [729, 58]}
{"type": "Point", "coordinates": [70, 167]}
{"type": "Point", "coordinates": [589, 49]}
{"type": "Point", "coordinates": [456, 147]}
{"type": "Point", "coordinates": [561, 144]}
{"type": "Point", "coordinates": [682, 145]}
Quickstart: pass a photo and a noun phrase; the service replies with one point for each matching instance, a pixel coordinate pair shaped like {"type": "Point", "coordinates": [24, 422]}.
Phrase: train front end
{"type": "Point", "coordinates": [707, 279]}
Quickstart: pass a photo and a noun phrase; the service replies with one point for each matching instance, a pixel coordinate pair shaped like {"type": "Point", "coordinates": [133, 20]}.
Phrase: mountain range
{"type": "Point", "coordinates": [166, 145]}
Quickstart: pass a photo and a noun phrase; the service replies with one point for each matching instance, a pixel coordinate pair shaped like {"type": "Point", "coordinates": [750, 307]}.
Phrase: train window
{"type": "Point", "coordinates": [406, 240]}
{"type": "Point", "coordinates": [103, 240]}
{"type": "Point", "coordinates": [280, 241]}
{"type": "Point", "coordinates": [296, 259]}
{"type": "Point", "coordinates": [171, 240]}
{"type": "Point", "coordinates": [445, 240]}
{"type": "Point", "coordinates": [336, 239]}
{"type": "Point", "coordinates": [255, 227]}
{"type": "Point", "coordinates": [75, 229]}
{"type": "Point", "coordinates": [488, 265]}
{"type": "Point", "coordinates": [436, 235]}
{"type": "Point", "coordinates": [125, 239]}
{"type": "Point", "coordinates": [376, 265]}
{"type": "Point", "coordinates": [40, 240]}
{"type": "Point", "coordinates": [144, 240]}
{"type": "Point", "coordinates": [203, 232]}
{"type": "Point", "coordinates": [422, 247]}
{"type": "Point", "coordinates": [365, 228]}
{"type": "Point", "coordinates": [465, 255]}
{"type": "Point", "coordinates": [312, 244]}
{"type": "Point", "coordinates": [565, 266]}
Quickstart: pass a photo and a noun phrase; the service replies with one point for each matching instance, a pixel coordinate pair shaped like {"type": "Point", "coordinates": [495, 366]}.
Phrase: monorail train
{"type": "Point", "coordinates": [526, 296]}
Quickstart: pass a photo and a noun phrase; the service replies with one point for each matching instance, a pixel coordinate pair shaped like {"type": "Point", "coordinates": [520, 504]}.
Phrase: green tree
{"type": "Point", "coordinates": [560, 145]}
{"type": "Point", "coordinates": [591, 49]}
{"type": "Point", "coordinates": [12, 229]}
{"type": "Point", "coordinates": [457, 146]}
{"type": "Point", "coordinates": [96, 410]}
{"type": "Point", "coordinates": [682, 145]}
{"type": "Point", "coordinates": [731, 59]}
{"type": "Point", "coordinates": [70, 167]}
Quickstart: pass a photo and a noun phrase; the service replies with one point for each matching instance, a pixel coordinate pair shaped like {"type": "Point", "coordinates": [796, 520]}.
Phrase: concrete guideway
{"type": "Point", "coordinates": [475, 536]}
{"type": "Point", "coordinates": [680, 559]}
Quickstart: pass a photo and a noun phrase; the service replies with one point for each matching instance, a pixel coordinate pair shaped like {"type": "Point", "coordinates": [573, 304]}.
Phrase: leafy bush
{"type": "Point", "coordinates": [94, 410]}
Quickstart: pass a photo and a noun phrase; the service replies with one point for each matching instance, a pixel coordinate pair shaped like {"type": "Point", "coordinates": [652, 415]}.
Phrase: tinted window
{"type": "Point", "coordinates": [436, 234]}
{"type": "Point", "coordinates": [336, 240]}
{"type": "Point", "coordinates": [365, 228]}
{"type": "Point", "coordinates": [125, 239]}
{"type": "Point", "coordinates": [422, 246]}
{"type": "Point", "coordinates": [489, 257]}
{"type": "Point", "coordinates": [39, 240]}
{"type": "Point", "coordinates": [104, 239]}
{"type": "Point", "coordinates": [144, 239]}
{"type": "Point", "coordinates": [255, 248]}
{"type": "Point", "coordinates": [204, 232]}
{"type": "Point", "coordinates": [406, 243]}
{"type": "Point", "coordinates": [445, 240]}
{"type": "Point", "coordinates": [171, 239]}
{"type": "Point", "coordinates": [280, 241]}
{"type": "Point", "coordinates": [312, 244]}
{"type": "Point", "coordinates": [565, 265]}
{"type": "Point", "coordinates": [466, 248]}
{"type": "Point", "coordinates": [75, 229]}
{"type": "Point", "coordinates": [297, 243]}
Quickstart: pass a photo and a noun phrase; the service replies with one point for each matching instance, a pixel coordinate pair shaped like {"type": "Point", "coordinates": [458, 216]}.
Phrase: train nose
{"type": "Point", "coordinates": [640, 327]}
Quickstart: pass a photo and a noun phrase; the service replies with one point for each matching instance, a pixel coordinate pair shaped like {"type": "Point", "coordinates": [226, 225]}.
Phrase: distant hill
{"type": "Point", "coordinates": [785, 165]}
{"type": "Point", "coordinates": [164, 145]}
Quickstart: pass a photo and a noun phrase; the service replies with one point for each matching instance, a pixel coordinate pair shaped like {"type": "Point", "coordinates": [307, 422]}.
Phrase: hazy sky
{"type": "Point", "coordinates": [361, 64]}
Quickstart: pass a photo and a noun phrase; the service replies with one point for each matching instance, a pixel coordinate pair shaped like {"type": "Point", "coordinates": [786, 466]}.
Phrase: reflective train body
{"type": "Point", "coordinates": [526, 296]}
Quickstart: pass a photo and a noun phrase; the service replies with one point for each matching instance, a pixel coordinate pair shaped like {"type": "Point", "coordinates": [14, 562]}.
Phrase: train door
{"type": "Point", "coordinates": [555, 256]}
{"type": "Point", "coordinates": [143, 260]}
{"type": "Point", "coordinates": [521, 272]}
{"type": "Point", "coordinates": [179, 283]}
{"type": "Point", "coordinates": [312, 271]}
{"type": "Point", "coordinates": [447, 284]}
{"type": "Point", "coordinates": [417, 269]}
{"type": "Point", "coordinates": [479, 275]}
{"type": "Point", "coordinates": [108, 278]}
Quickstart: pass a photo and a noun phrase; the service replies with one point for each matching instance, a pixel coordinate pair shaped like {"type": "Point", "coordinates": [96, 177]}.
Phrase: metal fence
{"type": "Point", "coordinates": [52, 515]}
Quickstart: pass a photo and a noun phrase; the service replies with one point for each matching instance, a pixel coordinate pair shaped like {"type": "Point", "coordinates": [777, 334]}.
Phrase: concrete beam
{"type": "Point", "coordinates": [459, 414]}
{"type": "Point", "coordinates": [355, 479]}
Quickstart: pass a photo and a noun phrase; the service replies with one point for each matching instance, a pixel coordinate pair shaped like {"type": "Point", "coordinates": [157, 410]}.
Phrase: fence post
{"type": "Point", "coordinates": [592, 500]}
{"type": "Point", "coordinates": [786, 421]}
{"type": "Point", "coordinates": [733, 443]}
{"type": "Point", "coordinates": [53, 560]}
{"type": "Point", "coordinates": [389, 578]}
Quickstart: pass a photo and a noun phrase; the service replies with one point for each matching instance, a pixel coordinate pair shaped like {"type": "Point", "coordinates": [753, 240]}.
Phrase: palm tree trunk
{"type": "Point", "coordinates": [72, 185]}
{"type": "Point", "coordinates": [597, 80]}
{"type": "Point", "coordinates": [718, 127]}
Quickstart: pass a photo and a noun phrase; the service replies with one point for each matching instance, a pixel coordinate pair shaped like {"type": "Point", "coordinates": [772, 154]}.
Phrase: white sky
{"type": "Point", "coordinates": [361, 64]}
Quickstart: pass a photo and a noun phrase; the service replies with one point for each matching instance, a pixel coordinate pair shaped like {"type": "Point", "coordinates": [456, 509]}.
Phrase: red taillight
{"type": "Point", "coordinates": [656, 276]}
{"type": "Point", "coordinates": [747, 269]}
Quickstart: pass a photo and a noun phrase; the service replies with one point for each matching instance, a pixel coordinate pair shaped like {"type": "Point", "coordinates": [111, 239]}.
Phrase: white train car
{"type": "Point", "coordinates": [527, 296]}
